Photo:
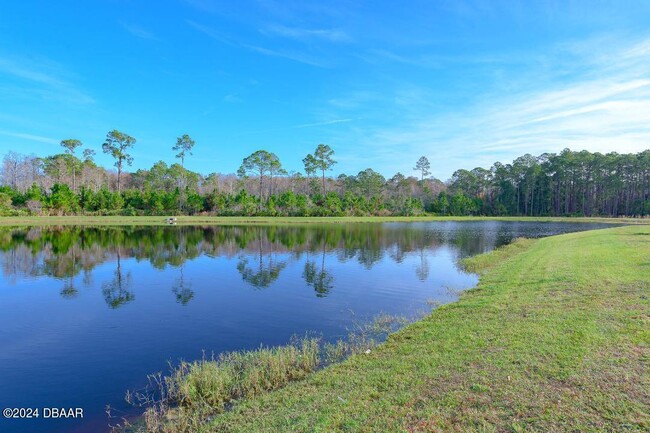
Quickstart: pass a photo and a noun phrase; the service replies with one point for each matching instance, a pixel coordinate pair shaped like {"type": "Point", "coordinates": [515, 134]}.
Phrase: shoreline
{"type": "Point", "coordinates": [207, 220]}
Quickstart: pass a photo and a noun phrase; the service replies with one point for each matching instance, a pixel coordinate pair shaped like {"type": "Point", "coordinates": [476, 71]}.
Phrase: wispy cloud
{"type": "Point", "coordinates": [232, 98]}
{"type": "Point", "coordinates": [286, 54]}
{"type": "Point", "coordinates": [355, 99]}
{"type": "Point", "coordinates": [139, 32]}
{"type": "Point", "coordinates": [328, 122]}
{"type": "Point", "coordinates": [30, 137]}
{"type": "Point", "coordinates": [603, 107]}
{"type": "Point", "coordinates": [295, 56]}
{"type": "Point", "coordinates": [299, 126]}
{"type": "Point", "coordinates": [42, 81]}
{"type": "Point", "coordinates": [331, 35]}
{"type": "Point", "coordinates": [211, 32]}
{"type": "Point", "coordinates": [430, 60]}
{"type": "Point", "coordinates": [16, 69]}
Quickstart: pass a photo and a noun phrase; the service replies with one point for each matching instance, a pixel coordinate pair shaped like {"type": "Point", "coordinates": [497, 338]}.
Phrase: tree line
{"type": "Point", "coordinates": [568, 183]}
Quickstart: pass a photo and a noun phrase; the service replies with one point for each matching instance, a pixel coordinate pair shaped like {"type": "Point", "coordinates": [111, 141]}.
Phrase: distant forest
{"type": "Point", "coordinates": [565, 184]}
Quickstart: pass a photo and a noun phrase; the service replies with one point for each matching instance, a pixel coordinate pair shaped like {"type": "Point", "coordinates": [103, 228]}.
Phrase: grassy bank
{"type": "Point", "coordinates": [198, 390]}
{"type": "Point", "coordinates": [555, 338]}
{"type": "Point", "coordinates": [208, 220]}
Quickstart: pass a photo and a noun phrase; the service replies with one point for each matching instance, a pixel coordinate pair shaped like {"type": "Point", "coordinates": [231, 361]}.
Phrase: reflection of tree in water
{"type": "Point", "coordinates": [266, 273]}
{"type": "Point", "coordinates": [397, 254]}
{"type": "Point", "coordinates": [69, 290]}
{"type": "Point", "coordinates": [88, 278]}
{"type": "Point", "coordinates": [68, 270]}
{"type": "Point", "coordinates": [116, 292]}
{"type": "Point", "coordinates": [66, 252]}
{"type": "Point", "coordinates": [422, 269]}
{"type": "Point", "coordinates": [182, 290]}
{"type": "Point", "coordinates": [368, 257]}
{"type": "Point", "coordinates": [263, 272]}
{"type": "Point", "coordinates": [320, 279]}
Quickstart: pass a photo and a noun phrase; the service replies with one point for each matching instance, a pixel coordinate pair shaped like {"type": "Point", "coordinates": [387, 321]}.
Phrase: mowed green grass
{"type": "Point", "coordinates": [555, 338]}
{"type": "Point", "coordinates": [210, 220]}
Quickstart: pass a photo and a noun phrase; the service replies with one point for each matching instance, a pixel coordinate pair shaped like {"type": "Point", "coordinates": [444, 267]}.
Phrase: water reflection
{"type": "Point", "coordinates": [263, 266]}
{"type": "Point", "coordinates": [117, 291]}
{"type": "Point", "coordinates": [422, 268]}
{"type": "Point", "coordinates": [182, 289]}
{"type": "Point", "coordinates": [317, 276]}
{"type": "Point", "coordinates": [69, 290]}
{"type": "Point", "coordinates": [262, 252]}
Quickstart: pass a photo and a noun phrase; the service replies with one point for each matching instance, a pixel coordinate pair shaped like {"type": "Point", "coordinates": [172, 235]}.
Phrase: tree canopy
{"type": "Point", "coordinates": [183, 146]}
{"type": "Point", "coordinates": [423, 165]}
{"type": "Point", "coordinates": [116, 145]}
{"type": "Point", "coordinates": [567, 183]}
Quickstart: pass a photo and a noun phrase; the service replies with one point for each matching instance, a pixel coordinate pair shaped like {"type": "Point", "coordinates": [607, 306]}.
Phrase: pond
{"type": "Point", "coordinates": [88, 313]}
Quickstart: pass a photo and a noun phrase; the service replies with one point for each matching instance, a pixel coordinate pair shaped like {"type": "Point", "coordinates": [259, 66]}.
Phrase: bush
{"type": "Point", "coordinates": [34, 206]}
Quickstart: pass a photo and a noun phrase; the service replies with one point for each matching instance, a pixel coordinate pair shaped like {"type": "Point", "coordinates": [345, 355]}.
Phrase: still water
{"type": "Point", "coordinates": [87, 313]}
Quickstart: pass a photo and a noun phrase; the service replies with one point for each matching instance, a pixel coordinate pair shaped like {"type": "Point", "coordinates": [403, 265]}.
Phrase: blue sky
{"type": "Point", "coordinates": [465, 83]}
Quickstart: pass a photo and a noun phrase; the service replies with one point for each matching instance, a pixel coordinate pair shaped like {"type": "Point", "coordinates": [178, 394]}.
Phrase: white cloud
{"type": "Point", "coordinates": [42, 78]}
{"type": "Point", "coordinates": [290, 55]}
{"type": "Point", "coordinates": [209, 31]}
{"type": "Point", "coordinates": [287, 54]}
{"type": "Point", "coordinates": [139, 32]}
{"type": "Point", "coordinates": [30, 137]}
{"type": "Point", "coordinates": [232, 98]}
{"type": "Point", "coordinates": [604, 107]}
{"type": "Point", "coordinates": [331, 35]}
{"type": "Point", "coordinates": [328, 122]}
